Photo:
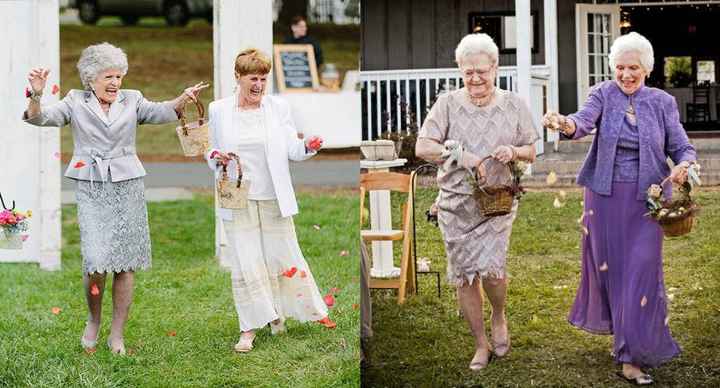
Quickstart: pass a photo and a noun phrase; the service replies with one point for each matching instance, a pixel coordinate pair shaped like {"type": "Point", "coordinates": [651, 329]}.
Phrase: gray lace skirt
{"type": "Point", "coordinates": [114, 232]}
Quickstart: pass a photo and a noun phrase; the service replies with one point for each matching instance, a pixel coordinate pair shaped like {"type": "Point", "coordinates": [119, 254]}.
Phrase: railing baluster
{"type": "Point", "coordinates": [378, 112]}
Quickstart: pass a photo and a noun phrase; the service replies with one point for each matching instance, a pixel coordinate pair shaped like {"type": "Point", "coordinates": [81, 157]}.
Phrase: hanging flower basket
{"type": "Point", "coordinates": [10, 240]}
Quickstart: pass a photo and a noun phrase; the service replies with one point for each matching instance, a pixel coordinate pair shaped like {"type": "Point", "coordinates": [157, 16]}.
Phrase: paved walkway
{"type": "Point", "coordinates": [172, 181]}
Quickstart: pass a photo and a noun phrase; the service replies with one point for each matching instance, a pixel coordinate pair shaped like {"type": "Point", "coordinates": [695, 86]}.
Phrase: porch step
{"type": "Point", "coordinates": [566, 166]}
{"type": "Point", "coordinates": [583, 145]}
{"type": "Point", "coordinates": [568, 180]}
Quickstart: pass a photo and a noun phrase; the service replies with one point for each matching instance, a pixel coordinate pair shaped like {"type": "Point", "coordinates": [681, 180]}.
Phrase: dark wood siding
{"type": "Point", "coordinates": [407, 34]}
{"type": "Point", "coordinates": [567, 57]}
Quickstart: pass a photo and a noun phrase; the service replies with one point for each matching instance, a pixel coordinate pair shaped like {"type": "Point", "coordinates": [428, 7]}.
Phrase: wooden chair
{"type": "Point", "coordinates": [401, 183]}
{"type": "Point", "coordinates": [699, 109]}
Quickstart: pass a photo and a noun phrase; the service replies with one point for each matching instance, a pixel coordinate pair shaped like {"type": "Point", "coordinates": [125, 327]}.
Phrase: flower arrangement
{"type": "Point", "coordinates": [663, 210]}
{"type": "Point", "coordinates": [675, 215]}
{"type": "Point", "coordinates": [12, 223]}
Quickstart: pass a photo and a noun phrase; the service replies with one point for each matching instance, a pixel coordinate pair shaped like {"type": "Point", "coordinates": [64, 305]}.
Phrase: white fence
{"type": "Point", "coordinates": [398, 100]}
{"type": "Point", "coordinates": [334, 11]}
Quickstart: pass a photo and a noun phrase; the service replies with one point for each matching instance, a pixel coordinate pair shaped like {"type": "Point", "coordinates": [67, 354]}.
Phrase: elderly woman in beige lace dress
{"type": "Point", "coordinates": [462, 128]}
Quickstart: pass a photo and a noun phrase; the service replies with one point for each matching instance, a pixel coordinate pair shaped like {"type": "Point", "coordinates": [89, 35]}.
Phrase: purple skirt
{"type": "Point", "coordinates": [622, 290]}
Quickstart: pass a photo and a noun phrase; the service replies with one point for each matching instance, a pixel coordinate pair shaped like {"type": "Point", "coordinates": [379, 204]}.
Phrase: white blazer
{"type": "Point", "coordinates": [281, 145]}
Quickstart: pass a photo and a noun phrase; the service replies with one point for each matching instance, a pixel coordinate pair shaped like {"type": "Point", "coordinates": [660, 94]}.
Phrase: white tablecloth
{"type": "Point", "coordinates": [335, 116]}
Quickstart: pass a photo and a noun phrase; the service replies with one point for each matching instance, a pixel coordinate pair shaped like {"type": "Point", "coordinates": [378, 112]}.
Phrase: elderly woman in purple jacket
{"type": "Point", "coordinates": [622, 291]}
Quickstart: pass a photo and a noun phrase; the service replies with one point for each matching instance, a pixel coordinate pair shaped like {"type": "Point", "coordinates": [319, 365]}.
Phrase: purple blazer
{"type": "Point", "coordinates": [661, 135]}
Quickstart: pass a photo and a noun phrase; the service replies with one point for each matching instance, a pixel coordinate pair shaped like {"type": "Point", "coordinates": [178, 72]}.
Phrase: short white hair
{"type": "Point", "coordinates": [473, 44]}
{"type": "Point", "coordinates": [633, 42]}
{"type": "Point", "coordinates": [98, 58]}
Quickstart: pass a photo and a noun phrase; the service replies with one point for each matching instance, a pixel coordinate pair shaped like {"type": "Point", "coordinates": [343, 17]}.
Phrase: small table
{"type": "Point", "coordinates": [381, 219]}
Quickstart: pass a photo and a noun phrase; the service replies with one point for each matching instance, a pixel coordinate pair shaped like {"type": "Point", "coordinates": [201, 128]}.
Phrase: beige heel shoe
{"type": "Point", "coordinates": [245, 344]}
{"type": "Point", "coordinates": [501, 348]}
{"type": "Point", "coordinates": [480, 361]}
{"type": "Point", "coordinates": [89, 345]}
{"type": "Point", "coordinates": [119, 350]}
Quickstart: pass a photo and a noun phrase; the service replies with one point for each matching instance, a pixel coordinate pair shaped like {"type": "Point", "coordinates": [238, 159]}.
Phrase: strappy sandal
{"type": "Point", "coordinates": [642, 379]}
{"type": "Point", "coordinates": [245, 344]}
{"type": "Point", "coordinates": [277, 328]}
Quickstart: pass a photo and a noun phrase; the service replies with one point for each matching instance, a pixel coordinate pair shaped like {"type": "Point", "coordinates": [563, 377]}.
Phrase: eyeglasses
{"type": "Point", "coordinates": [470, 72]}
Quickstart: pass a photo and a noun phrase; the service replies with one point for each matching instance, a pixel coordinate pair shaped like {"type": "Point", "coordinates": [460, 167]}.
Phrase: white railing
{"type": "Point", "coordinates": [398, 100]}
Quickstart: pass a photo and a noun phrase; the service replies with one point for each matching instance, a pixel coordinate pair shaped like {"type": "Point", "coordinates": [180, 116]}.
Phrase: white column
{"type": "Point", "coordinates": [551, 58]}
{"type": "Point", "coordinates": [29, 155]}
{"type": "Point", "coordinates": [524, 61]}
{"type": "Point", "coordinates": [238, 24]}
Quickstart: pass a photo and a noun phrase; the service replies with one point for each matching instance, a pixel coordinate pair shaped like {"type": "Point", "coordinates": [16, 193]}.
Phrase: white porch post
{"type": "Point", "coordinates": [238, 24]}
{"type": "Point", "coordinates": [551, 57]}
{"type": "Point", "coordinates": [524, 61]}
{"type": "Point", "coordinates": [30, 155]}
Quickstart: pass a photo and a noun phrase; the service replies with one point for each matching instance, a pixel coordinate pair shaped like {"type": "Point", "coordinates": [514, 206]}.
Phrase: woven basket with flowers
{"type": "Point", "coordinates": [497, 200]}
{"type": "Point", "coordinates": [675, 215]}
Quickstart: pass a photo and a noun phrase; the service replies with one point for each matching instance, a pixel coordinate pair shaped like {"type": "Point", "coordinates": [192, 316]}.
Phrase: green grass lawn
{"type": "Point", "coordinates": [185, 293]}
{"type": "Point", "coordinates": [164, 60]}
{"type": "Point", "coordinates": [425, 342]}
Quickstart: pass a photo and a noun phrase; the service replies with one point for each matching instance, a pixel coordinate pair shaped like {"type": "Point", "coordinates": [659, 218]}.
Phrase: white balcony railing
{"type": "Point", "coordinates": [398, 100]}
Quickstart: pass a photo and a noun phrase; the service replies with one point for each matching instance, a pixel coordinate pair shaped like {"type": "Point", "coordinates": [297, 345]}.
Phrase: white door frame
{"type": "Point", "coordinates": [581, 34]}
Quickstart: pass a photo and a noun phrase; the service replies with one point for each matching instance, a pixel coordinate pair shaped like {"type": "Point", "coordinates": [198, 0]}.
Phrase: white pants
{"type": "Point", "coordinates": [270, 278]}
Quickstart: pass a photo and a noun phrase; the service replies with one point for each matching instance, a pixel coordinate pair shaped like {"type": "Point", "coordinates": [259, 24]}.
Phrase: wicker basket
{"type": "Point", "coordinates": [233, 194]}
{"type": "Point", "coordinates": [682, 224]}
{"type": "Point", "coordinates": [678, 226]}
{"type": "Point", "coordinates": [193, 136]}
{"type": "Point", "coordinates": [495, 200]}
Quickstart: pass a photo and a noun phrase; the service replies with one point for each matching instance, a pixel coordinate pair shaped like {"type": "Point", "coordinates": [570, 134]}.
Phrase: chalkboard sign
{"type": "Point", "coordinates": [295, 68]}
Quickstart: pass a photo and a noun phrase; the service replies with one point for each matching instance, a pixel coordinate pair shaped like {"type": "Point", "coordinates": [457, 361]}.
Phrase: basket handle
{"type": "Point", "coordinates": [3, 203]}
{"type": "Point", "coordinates": [484, 179]}
{"type": "Point", "coordinates": [201, 114]}
{"type": "Point", "coordinates": [236, 158]}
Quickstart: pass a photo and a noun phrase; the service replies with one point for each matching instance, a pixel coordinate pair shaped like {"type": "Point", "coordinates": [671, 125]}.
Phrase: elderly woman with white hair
{"type": "Point", "coordinates": [621, 290]}
{"type": "Point", "coordinates": [112, 214]}
{"type": "Point", "coordinates": [476, 121]}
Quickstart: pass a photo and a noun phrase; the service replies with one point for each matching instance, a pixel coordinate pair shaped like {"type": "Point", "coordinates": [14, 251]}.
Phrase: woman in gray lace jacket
{"type": "Point", "coordinates": [110, 192]}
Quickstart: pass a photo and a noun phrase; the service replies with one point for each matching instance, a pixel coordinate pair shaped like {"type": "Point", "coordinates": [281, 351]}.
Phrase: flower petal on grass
{"type": "Point", "coordinates": [551, 178]}
{"type": "Point", "coordinates": [355, 306]}
{"type": "Point", "coordinates": [171, 333]}
{"type": "Point", "coordinates": [557, 204]}
{"type": "Point", "coordinates": [316, 227]}
{"type": "Point", "coordinates": [344, 253]}
{"type": "Point", "coordinates": [56, 310]}
{"type": "Point", "coordinates": [334, 290]}
{"type": "Point", "coordinates": [329, 300]}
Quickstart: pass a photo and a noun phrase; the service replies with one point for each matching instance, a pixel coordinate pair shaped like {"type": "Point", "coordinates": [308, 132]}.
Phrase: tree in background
{"type": "Point", "coordinates": [289, 9]}
{"type": "Point", "coordinates": [678, 71]}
